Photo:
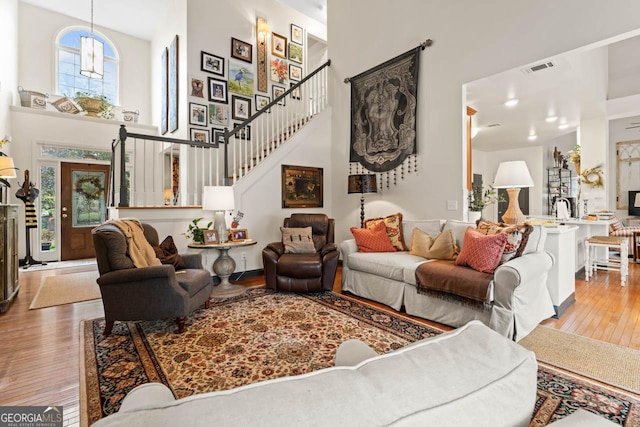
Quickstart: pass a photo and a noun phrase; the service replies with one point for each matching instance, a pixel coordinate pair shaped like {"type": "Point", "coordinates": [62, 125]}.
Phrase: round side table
{"type": "Point", "coordinates": [224, 265]}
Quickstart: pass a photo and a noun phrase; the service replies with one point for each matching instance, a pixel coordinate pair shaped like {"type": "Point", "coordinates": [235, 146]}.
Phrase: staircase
{"type": "Point", "coordinates": [151, 170]}
{"type": "Point", "coordinates": [253, 140]}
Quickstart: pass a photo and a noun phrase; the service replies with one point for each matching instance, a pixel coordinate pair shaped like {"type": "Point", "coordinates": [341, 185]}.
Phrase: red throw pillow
{"type": "Point", "coordinates": [373, 239]}
{"type": "Point", "coordinates": [481, 252]}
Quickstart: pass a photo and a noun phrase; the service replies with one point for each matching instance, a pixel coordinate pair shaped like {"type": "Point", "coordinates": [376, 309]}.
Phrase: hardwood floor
{"type": "Point", "coordinates": [40, 349]}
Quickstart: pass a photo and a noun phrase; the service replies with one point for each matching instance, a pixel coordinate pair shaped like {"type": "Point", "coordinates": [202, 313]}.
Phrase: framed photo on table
{"type": "Point", "coordinates": [210, 237]}
{"type": "Point", "coordinates": [239, 234]}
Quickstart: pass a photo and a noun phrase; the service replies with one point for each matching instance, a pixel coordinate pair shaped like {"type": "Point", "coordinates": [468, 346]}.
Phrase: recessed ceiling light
{"type": "Point", "coordinates": [551, 119]}
{"type": "Point", "coordinates": [563, 126]}
{"type": "Point", "coordinates": [533, 137]}
{"type": "Point", "coordinates": [511, 102]}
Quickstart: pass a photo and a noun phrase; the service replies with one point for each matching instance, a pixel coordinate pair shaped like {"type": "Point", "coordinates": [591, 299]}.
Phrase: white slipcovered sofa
{"type": "Point", "coordinates": [467, 377]}
{"type": "Point", "coordinates": [519, 295]}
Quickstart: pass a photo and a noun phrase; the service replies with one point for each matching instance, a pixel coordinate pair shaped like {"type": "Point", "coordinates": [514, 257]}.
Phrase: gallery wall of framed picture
{"type": "Point", "coordinates": [224, 88]}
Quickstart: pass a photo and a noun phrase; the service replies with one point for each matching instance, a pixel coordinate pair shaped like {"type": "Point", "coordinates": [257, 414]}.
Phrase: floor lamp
{"type": "Point", "coordinates": [362, 184]}
{"type": "Point", "coordinates": [513, 176]}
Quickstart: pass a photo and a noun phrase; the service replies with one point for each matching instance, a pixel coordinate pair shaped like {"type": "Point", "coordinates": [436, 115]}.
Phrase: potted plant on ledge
{"type": "Point", "coordinates": [95, 105]}
{"type": "Point", "coordinates": [479, 199]}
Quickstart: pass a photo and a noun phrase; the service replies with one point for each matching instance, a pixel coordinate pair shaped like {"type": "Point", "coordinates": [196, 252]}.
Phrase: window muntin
{"type": "Point", "coordinates": [69, 81]}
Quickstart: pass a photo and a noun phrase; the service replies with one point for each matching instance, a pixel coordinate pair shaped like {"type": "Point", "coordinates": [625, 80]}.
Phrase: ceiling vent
{"type": "Point", "coordinates": [539, 67]}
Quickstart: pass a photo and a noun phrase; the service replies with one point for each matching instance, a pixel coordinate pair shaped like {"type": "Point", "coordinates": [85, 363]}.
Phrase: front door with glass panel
{"type": "Point", "coordinates": [83, 207]}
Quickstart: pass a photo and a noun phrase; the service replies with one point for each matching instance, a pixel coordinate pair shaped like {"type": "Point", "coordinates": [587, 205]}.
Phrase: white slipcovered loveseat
{"type": "Point", "coordinates": [519, 295]}
{"type": "Point", "coordinates": [467, 377]}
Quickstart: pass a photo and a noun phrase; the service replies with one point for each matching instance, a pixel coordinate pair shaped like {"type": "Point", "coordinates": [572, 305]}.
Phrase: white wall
{"type": "Point", "coordinates": [38, 29]}
{"type": "Point", "coordinates": [9, 68]}
{"type": "Point", "coordinates": [471, 40]}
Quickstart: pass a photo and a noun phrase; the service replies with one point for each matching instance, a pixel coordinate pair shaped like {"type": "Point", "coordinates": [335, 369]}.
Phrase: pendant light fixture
{"type": "Point", "coordinates": [91, 54]}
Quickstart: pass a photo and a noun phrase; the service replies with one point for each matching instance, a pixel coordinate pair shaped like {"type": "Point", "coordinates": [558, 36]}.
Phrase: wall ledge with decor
{"type": "Point", "coordinates": [516, 298]}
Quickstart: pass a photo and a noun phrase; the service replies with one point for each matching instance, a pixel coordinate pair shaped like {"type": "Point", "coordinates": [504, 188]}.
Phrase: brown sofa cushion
{"type": "Point", "coordinates": [167, 253]}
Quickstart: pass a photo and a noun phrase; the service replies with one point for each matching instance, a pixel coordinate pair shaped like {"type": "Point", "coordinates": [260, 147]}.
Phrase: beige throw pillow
{"type": "Point", "coordinates": [442, 247]}
{"type": "Point", "coordinates": [297, 240]}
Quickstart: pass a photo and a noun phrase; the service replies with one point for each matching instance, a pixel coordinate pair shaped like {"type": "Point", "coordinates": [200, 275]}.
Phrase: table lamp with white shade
{"type": "Point", "coordinates": [7, 171]}
{"type": "Point", "coordinates": [513, 176]}
{"type": "Point", "coordinates": [218, 199]}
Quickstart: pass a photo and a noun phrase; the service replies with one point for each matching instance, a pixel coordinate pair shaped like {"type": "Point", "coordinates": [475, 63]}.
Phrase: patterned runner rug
{"type": "Point", "coordinates": [262, 335]}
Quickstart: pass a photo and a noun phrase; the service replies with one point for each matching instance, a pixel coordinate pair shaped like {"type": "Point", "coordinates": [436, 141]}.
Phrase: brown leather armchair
{"type": "Point", "coordinates": [148, 293]}
{"type": "Point", "coordinates": [303, 272]}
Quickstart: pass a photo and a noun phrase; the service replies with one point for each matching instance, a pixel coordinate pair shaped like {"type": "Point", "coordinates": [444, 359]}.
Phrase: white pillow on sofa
{"type": "Point", "coordinates": [458, 228]}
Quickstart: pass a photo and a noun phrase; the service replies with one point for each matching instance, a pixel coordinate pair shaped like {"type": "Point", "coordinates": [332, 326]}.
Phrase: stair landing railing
{"type": "Point", "coordinates": [251, 141]}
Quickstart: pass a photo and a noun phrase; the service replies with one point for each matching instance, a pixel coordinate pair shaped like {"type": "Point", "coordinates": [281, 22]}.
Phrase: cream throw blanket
{"type": "Point", "coordinates": [140, 251]}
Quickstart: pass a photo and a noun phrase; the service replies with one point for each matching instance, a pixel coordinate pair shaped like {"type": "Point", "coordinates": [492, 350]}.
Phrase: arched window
{"type": "Point", "coordinates": [68, 77]}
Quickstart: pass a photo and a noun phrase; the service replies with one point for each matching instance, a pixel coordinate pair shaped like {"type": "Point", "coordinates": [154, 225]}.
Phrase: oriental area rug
{"type": "Point", "coordinates": [262, 335]}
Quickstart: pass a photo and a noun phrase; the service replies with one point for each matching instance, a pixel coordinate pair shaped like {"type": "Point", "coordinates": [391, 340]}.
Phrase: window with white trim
{"type": "Point", "coordinates": [69, 81]}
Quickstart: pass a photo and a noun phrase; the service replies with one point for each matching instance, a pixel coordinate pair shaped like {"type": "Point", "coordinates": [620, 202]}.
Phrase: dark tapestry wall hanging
{"type": "Point", "coordinates": [383, 113]}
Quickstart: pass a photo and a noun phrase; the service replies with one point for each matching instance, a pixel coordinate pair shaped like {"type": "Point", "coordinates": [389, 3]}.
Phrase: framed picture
{"type": "Point", "coordinates": [164, 91]}
{"type": "Point", "coordinates": [240, 78]}
{"type": "Point", "coordinates": [276, 91]}
{"type": "Point", "coordinates": [197, 87]}
{"type": "Point", "coordinates": [217, 137]}
{"type": "Point", "coordinates": [200, 135]}
{"type": "Point", "coordinates": [301, 187]}
{"type": "Point", "coordinates": [295, 94]}
{"type": "Point", "coordinates": [173, 85]}
{"type": "Point", "coordinates": [218, 114]}
{"type": "Point", "coordinates": [296, 35]}
{"type": "Point", "coordinates": [241, 50]}
{"type": "Point", "coordinates": [262, 101]}
{"type": "Point", "coordinates": [278, 45]}
{"type": "Point", "coordinates": [240, 108]}
{"type": "Point", "coordinates": [295, 73]}
{"type": "Point", "coordinates": [197, 114]}
{"type": "Point", "coordinates": [295, 53]}
{"type": "Point", "coordinates": [218, 90]}
{"type": "Point", "coordinates": [239, 234]}
{"type": "Point", "coordinates": [211, 63]}
{"type": "Point", "coordinates": [279, 71]}
{"type": "Point", "coordinates": [244, 134]}
{"type": "Point", "coordinates": [210, 237]}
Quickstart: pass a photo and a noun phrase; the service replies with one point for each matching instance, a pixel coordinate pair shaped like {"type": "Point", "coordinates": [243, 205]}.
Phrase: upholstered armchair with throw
{"type": "Point", "coordinates": [306, 259]}
{"type": "Point", "coordinates": [147, 293]}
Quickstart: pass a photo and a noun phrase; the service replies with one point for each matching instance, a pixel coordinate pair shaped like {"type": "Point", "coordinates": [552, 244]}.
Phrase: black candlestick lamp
{"type": "Point", "coordinates": [362, 184]}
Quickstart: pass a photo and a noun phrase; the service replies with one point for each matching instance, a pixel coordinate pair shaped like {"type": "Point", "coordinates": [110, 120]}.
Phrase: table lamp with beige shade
{"type": "Point", "coordinates": [7, 171]}
{"type": "Point", "coordinates": [513, 176]}
{"type": "Point", "coordinates": [218, 199]}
